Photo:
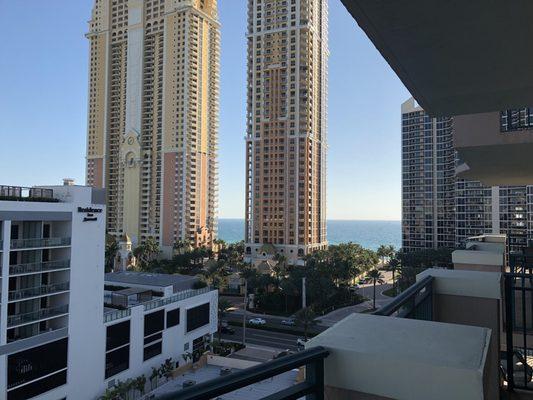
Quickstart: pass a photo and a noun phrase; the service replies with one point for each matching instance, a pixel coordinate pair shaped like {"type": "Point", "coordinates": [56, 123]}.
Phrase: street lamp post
{"type": "Point", "coordinates": [244, 313]}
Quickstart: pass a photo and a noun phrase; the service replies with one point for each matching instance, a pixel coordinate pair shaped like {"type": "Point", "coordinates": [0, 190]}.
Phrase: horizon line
{"type": "Point", "coordinates": [334, 219]}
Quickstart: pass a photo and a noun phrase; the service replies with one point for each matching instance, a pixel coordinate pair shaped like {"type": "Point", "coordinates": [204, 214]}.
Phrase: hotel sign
{"type": "Point", "coordinates": [89, 211]}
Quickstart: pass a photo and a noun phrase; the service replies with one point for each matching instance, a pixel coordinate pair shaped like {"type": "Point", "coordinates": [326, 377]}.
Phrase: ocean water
{"type": "Point", "coordinates": [369, 234]}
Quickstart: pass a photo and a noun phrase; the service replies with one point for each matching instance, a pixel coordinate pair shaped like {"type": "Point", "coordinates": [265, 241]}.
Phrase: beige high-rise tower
{"type": "Point", "coordinates": [286, 128]}
{"type": "Point", "coordinates": [153, 117]}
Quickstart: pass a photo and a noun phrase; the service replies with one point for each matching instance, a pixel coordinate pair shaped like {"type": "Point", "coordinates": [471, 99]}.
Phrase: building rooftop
{"type": "Point", "coordinates": [130, 291]}
{"type": "Point", "coordinates": [178, 282]}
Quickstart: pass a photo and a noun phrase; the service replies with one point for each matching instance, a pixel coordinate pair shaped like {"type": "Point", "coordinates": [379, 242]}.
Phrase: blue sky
{"type": "Point", "coordinates": [43, 98]}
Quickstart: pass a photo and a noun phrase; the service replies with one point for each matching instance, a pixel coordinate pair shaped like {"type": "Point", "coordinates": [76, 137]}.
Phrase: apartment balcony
{"type": "Point", "coordinates": [481, 143]}
{"type": "Point", "coordinates": [36, 316]}
{"type": "Point", "coordinates": [33, 268]}
{"type": "Point", "coordinates": [38, 291]}
{"type": "Point", "coordinates": [23, 244]}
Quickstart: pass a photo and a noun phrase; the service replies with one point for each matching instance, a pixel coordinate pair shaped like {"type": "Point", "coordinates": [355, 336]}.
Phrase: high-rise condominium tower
{"type": "Point", "coordinates": [428, 170]}
{"type": "Point", "coordinates": [441, 210]}
{"type": "Point", "coordinates": [286, 127]}
{"type": "Point", "coordinates": [153, 117]}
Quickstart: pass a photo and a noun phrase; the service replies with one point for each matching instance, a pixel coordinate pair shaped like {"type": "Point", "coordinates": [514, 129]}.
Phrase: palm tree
{"type": "Point", "coordinates": [182, 246]}
{"type": "Point", "coordinates": [223, 306]}
{"type": "Point", "coordinates": [166, 368]}
{"type": "Point", "coordinates": [111, 250]}
{"type": "Point", "coordinates": [306, 317]}
{"type": "Point", "coordinates": [394, 266]}
{"type": "Point", "coordinates": [382, 253]}
{"type": "Point", "coordinates": [140, 383]}
{"type": "Point", "coordinates": [376, 277]}
{"type": "Point", "coordinates": [147, 252]}
{"type": "Point", "coordinates": [280, 269]}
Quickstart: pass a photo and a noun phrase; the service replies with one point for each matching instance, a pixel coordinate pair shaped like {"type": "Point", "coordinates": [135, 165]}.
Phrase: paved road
{"type": "Point", "coordinates": [272, 321]}
{"type": "Point", "coordinates": [275, 340]}
{"type": "Point", "coordinates": [328, 319]}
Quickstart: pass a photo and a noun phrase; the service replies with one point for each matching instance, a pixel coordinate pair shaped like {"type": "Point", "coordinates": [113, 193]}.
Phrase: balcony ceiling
{"type": "Point", "coordinates": [455, 57]}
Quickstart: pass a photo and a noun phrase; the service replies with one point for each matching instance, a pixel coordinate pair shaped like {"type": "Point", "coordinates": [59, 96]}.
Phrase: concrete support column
{"type": "Point", "coordinates": [471, 298]}
{"type": "Point", "coordinates": [6, 235]}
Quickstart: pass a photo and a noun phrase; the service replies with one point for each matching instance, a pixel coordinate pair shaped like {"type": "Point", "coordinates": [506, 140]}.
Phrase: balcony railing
{"type": "Point", "coordinates": [40, 242]}
{"type": "Point", "coordinates": [19, 193]}
{"type": "Point", "coordinates": [312, 386]}
{"type": "Point", "coordinates": [415, 303]}
{"type": "Point", "coordinates": [33, 316]}
{"type": "Point", "coordinates": [38, 291]}
{"type": "Point", "coordinates": [38, 267]}
{"type": "Point", "coordinates": [116, 314]}
{"type": "Point", "coordinates": [150, 305]}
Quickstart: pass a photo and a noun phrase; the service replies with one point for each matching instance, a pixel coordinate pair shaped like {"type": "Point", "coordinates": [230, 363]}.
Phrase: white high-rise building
{"type": "Point", "coordinates": [66, 331]}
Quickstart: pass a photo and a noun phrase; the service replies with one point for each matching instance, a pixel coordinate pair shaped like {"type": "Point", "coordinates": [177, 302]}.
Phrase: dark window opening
{"type": "Point", "coordinates": [118, 335]}
{"type": "Point", "coordinates": [153, 338]}
{"type": "Point", "coordinates": [173, 318]}
{"type": "Point", "coordinates": [154, 322]}
{"type": "Point", "coordinates": [117, 361]}
{"type": "Point", "coordinates": [38, 387]}
{"type": "Point", "coordinates": [36, 362]}
{"type": "Point", "coordinates": [197, 317]}
{"type": "Point", "coordinates": [152, 350]}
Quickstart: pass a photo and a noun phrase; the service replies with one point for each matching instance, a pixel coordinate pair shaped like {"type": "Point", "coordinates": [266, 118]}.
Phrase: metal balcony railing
{"type": "Point", "coordinates": [40, 242]}
{"type": "Point", "coordinates": [38, 291]}
{"type": "Point", "coordinates": [29, 268]}
{"type": "Point", "coordinates": [416, 302]}
{"type": "Point", "coordinates": [19, 193]}
{"type": "Point", "coordinates": [311, 388]}
{"type": "Point", "coordinates": [14, 320]}
{"type": "Point", "coordinates": [116, 314]}
{"type": "Point", "coordinates": [156, 303]}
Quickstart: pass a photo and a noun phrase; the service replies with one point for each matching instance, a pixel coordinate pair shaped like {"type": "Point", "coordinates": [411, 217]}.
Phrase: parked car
{"type": "Point", "coordinates": [300, 342]}
{"type": "Point", "coordinates": [227, 330]}
{"type": "Point", "coordinates": [361, 281]}
{"type": "Point", "coordinates": [283, 354]}
{"type": "Point", "coordinates": [353, 288]}
{"type": "Point", "coordinates": [257, 321]}
{"type": "Point", "coordinates": [288, 322]}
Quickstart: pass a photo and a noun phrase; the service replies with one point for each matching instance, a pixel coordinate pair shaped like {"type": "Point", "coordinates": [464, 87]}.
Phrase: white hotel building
{"type": "Point", "coordinates": [57, 339]}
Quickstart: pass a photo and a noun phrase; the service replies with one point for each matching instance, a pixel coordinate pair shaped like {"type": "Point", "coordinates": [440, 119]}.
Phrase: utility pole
{"type": "Point", "coordinates": [304, 295]}
{"type": "Point", "coordinates": [244, 313]}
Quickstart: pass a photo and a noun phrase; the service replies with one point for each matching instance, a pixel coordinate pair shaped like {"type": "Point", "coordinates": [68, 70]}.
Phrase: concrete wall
{"type": "Point", "coordinates": [377, 357]}
{"type": "Point", "coordinates": [475, 311]}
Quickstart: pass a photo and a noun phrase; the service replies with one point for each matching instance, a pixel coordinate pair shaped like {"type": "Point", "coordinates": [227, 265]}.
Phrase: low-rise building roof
{"type": "Point", "coordinates": [178, 282]}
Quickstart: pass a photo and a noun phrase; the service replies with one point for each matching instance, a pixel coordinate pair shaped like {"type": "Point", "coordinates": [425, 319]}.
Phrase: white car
{"type": "Point", "coordinates": [257, 321]}
{"type": "Point", "coordinates": [300, 342]}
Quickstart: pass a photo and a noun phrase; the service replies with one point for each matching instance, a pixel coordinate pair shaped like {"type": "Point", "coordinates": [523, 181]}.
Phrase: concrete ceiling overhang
{"type": "Point", "coordinates": [503, 165]}
{"type": "Point", "coordinates": [456, 56]}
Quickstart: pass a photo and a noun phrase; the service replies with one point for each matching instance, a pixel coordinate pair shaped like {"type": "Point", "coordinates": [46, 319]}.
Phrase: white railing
{"type": "Point", "coordinates": [156, 303]}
